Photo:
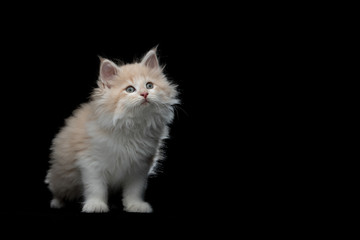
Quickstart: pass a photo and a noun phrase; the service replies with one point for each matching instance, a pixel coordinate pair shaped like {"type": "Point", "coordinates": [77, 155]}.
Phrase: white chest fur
{"type": "Point", "coordinates": [127, 148]}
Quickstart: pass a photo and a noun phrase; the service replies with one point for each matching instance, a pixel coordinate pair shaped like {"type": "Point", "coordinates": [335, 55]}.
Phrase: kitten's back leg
{"type": "Point", "coordinates": [63, 186]}
{"type": "Point", "coordinates": [57, 203]}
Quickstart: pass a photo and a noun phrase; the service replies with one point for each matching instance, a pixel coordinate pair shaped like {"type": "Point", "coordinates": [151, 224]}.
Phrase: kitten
{"type": "Point", "coordinates": [114, 140]}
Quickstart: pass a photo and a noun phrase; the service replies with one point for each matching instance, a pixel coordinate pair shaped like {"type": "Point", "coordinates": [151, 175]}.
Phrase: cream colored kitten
{"type": "Point", "coordinates": [114, 140]}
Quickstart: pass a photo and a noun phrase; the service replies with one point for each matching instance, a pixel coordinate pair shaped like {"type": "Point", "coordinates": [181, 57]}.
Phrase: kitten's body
{"type": "Point", "coordinates": [113, 141]}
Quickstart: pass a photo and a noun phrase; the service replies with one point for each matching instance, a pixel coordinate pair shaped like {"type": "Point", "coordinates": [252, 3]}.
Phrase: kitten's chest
{"type": "Point", "coordinates": [128, 144]}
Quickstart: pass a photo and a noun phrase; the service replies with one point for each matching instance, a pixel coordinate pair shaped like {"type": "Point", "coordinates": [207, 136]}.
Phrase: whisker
{"type": "Point", "coordinates": [176, 107]}
{"type": "Point", "coordinates": [158, 105]}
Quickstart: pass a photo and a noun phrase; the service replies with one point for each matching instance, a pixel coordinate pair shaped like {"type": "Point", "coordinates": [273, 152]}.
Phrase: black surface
{"type": "Point", "coordinates": [222, 155]}
{"type": "Point", "coordinates": [54, 70]}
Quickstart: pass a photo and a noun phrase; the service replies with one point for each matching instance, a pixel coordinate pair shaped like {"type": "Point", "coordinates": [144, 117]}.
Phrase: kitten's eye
{"type": "Point", "coordinates": [149, 85]}
{"type": "Point", "coordinates": [130, 89]}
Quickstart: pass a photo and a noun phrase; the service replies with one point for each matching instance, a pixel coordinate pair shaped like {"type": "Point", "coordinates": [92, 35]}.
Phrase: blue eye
{"type": "Point", "coordinates": [130, 89]}
{"type": "Point", "coordinates": [149, 85]}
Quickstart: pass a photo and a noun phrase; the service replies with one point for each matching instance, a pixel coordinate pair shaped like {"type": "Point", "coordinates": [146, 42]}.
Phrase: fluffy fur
{"type": "Point", "coordinates": [113, 141]}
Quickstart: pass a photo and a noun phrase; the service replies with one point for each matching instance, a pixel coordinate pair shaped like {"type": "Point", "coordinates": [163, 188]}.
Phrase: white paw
{"type": "Point", "coordinates": [95, 206]}
{"type": "Point", "coordinates": [138, 206]}
{"type": "Point", "coordinates": [56, 203]}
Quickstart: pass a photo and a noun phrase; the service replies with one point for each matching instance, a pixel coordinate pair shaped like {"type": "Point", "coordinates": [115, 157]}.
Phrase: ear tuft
{"type": "Point", "coordinates": [108, 71]}
{"type": "Point", "coordinates": [150, 59]}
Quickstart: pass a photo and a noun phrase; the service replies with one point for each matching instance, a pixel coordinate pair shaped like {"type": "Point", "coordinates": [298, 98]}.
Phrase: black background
{"type": "Point", "coordinates": [222, 137]}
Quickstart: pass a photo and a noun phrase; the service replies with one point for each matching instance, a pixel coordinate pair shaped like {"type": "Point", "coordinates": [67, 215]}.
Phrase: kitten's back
{"type": "Point", "coordinates": [64, 177]}
{"type": "Point", "coordinates": [73, 137]}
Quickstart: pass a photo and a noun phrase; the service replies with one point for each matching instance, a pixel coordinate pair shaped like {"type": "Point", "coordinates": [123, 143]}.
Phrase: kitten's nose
{"type": "Point", "coordinates": [144, 94]}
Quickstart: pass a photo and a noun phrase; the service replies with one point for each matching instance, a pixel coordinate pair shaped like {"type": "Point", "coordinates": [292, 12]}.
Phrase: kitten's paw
{"type": "Point", "coordinates": [138, 206]}
{"type": "Point", "coordinates": [56, 203]}
{"type": "Point", "coordinates": [95, 206]}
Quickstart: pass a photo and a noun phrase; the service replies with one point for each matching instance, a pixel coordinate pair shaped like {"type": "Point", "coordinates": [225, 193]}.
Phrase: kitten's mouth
{"type": "Point", "coordinates": [145, 102]}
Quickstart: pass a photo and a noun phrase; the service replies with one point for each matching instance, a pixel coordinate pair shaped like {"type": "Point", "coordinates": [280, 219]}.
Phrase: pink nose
{"type": "Point", "coordinates": [144, 94]}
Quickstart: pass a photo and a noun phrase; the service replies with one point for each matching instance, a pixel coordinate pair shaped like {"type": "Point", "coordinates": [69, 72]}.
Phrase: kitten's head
{"type": "Point", "coordinates": [133, 89]}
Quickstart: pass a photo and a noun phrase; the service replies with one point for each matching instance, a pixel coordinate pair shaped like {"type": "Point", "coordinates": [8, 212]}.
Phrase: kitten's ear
{"type": "Point", "coordinates": [150, 60]}
{"type": "Point", "coordinates": [108, 71]}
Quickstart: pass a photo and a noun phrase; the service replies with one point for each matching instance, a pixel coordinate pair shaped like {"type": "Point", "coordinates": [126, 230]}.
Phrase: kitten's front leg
{"type": "Point", "coordinates": [95, 190]}
{"type": "Point", "coordinates": [134, 188]}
